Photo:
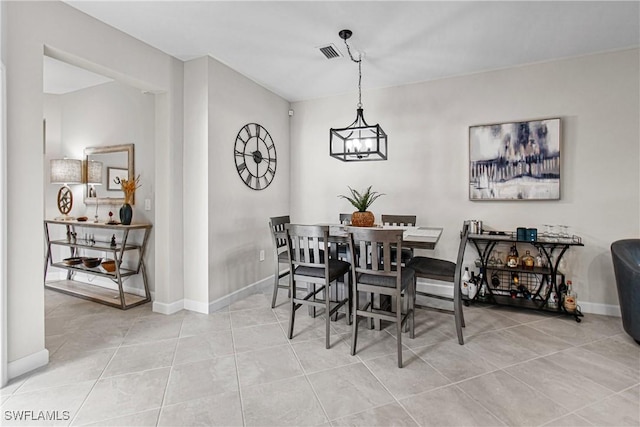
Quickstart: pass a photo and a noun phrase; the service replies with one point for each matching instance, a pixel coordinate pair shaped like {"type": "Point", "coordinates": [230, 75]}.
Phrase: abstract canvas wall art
{"type": "Point", "coordinates": [515, 161]}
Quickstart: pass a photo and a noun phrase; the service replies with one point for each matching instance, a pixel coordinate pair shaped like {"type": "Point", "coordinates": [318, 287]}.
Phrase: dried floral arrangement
{"type": "Point", "coordinates": [128, 187]}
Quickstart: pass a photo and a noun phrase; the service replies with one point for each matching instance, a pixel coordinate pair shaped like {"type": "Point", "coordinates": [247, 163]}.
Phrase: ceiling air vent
{"type": "Point", "coordinates": [330, 51]}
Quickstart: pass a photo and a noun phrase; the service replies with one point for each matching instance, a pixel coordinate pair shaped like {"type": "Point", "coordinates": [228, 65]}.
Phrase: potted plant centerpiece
{"type": "Point", "coordinates": [361, 201]}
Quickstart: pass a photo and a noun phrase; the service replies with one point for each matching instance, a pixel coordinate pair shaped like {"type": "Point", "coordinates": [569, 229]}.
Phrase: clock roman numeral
{"type": "Point", "coordinates": [239, 153]}
{"type": "Point", "coordinates": [257, 130]}
{"type": "Point", "coordinates": [247, 180]}
{"type": "Point", "coordinates": [241, 167]}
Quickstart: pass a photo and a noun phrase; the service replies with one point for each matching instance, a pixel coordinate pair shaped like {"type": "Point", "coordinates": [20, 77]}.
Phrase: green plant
{"type": "Point", "coordinates": [362, 200]}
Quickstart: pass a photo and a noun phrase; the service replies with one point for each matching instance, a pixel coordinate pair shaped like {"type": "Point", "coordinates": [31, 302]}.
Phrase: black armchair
{"type": "Point", "coordinates": [626, 265]}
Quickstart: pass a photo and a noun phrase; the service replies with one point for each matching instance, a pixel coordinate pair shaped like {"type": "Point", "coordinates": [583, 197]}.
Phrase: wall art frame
{"type": "Point", "coordinates": [517, 160]}
{"type": "Point", "coordinates": [112, 174]}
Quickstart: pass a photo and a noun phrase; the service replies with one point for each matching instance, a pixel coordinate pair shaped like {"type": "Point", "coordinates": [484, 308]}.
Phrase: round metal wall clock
{"type": "Point", "coordinates": [255, 156]}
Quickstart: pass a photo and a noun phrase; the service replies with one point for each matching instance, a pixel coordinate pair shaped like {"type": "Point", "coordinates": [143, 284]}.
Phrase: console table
{"type": "Point", "coordinates": [75, 241]}
{"type": "Point", "coordinates": [539, 282]}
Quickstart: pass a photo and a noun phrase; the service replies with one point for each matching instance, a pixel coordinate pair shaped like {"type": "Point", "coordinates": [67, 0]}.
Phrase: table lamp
{"type": "Point", "coordinates": [94, 177]}
{"type": "Point", "coordinates": [65, 171]}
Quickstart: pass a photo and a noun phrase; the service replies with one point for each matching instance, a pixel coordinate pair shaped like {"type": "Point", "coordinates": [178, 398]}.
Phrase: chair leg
{"type": "Point", "coordinates": [412, 316]}
{"type": "Point", "coordinates": [350, 296]}
{"type": "Point", "coordinates": [292, 305]}
{"type": "Point", "coordinates": [276, 281]}
{"type": "Point", "coordinates": [457, 312]}
{"type": "Point", "coordinates": [327, 310]}
{"type": "Point", "coordinates": [399, 329]}
{"type": "Point", "coordinates": [336, 297]}
{"type": "Point", "coordinates": [354, 323]}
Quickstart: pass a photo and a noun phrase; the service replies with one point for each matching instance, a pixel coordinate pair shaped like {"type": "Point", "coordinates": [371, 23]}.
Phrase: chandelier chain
{"type": "Point", "coordinates": [359, 62]}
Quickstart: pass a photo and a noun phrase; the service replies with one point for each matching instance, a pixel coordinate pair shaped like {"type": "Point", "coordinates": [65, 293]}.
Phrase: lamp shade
{"type": "Point", "coordinates": [94, 173]}
{"type": "Point", "coordinates": [66, 171]}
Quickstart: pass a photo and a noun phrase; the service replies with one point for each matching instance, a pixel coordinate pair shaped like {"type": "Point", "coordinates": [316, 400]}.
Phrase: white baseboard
{"type": "Point", "coordinates": [164, 308]}
{"type": "Point", "coordinates": [225, 301]}
{"type": "Point", "coordinates": [251, 289]}
{"type": "Point", "coordinates": [445, 289]}
{"type": "Point", "coordinates": [197, 306]}
{"type": "Point", "coordinates": [597, 308]}
{"type": "Point", "coordinates": [28, 363]}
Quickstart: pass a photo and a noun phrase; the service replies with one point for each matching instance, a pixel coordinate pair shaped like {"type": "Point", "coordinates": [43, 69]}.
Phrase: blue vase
{"type": "Point", "coordinates": [126, 214]}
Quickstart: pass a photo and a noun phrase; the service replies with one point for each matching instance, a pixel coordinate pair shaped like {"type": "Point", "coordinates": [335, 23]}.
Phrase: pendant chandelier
{"type": "Point", "coordinates": [359, 141]}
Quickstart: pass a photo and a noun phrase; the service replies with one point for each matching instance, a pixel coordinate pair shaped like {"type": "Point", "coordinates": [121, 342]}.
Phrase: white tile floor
{"type": "Point", "coordinates": [236, 367]}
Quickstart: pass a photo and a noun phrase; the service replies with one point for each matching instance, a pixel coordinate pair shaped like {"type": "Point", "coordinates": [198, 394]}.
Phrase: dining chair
{"type": "Point", "coordinates": [309, 262]}
{"type": "Point", "coordinates": [402, 221]}
{"type": "Point", "coordinates": [374, 274]}
{"type": "Point", "coordinates": [278, 237]}
{"type": "Point", "coordinates": [444, 271]}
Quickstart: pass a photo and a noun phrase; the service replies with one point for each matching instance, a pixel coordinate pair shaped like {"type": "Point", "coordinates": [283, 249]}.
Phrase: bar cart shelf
{"type": "Point", "coordinates": [115, 298]}
{"type": "Point", "coordinates": [522, 287]}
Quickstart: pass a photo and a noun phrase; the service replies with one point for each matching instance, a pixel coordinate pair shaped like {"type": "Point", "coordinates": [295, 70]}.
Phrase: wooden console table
{"type": "Point", "coordinates": [75, 241]}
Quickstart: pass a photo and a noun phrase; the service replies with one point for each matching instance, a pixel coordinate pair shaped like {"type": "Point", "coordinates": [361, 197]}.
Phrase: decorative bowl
{"type": "Point", "coordinates": [73, 260]}
{"type": "Point", "coordinates": [109, 265]}
{"type": "Point", "coordinates": [91, 262]}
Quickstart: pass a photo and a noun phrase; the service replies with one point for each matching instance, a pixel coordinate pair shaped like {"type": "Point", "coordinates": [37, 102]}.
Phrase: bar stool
{"type": "Point", "coordinates": [445, 271]}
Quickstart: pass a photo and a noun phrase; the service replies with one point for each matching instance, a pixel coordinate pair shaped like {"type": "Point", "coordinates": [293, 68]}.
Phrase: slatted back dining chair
{"type": "Point", "coordinates": [278, 237]}
{"type": "Point", "coordinates": [308, 247]}
{"type": "Point", "coordinates": [445, 271]}
{"type": "Point", "coordinates": [374, 273]}
{"type": "Point", "coordinates": [401, 220]}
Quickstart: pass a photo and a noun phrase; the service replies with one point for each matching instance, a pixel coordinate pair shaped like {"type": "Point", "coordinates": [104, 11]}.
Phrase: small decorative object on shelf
{"type": "Point", "coordinates": [464, 285]}
{"type": "Point", "coordinates": [539, 259]}
{"type": "Point", "coordinates": [552, 302]}
{"type": "Point", "coordinates": [570, 299]}
{"type": "Point", "coordinates": [512, 258]}
{"type": "Point", "coordinates": [473, 286]}
{"type": "Point", "coordinates": [361, 201]}
{"type": "Point", "coordinates": [111, 220]}
{"type": "Point", "coordinates": [128, 188]}
{"type": "Point", "coordinates": [113, 241]}
{"type": "Point", "coordinates": [527, 261]}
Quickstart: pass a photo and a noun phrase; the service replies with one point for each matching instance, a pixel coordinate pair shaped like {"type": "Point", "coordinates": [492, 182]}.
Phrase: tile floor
{"type": "Point", "coordinates": [236, 367]}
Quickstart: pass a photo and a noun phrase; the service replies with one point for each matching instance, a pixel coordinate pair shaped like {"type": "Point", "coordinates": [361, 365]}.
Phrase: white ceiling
{"type": "Point", "coordinates": [275, 42]}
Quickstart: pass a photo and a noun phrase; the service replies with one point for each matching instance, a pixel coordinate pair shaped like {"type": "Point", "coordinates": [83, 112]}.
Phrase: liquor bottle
{"type": "Point", "coordinates": [464, 286]}
{"type": "Point", "coordinates": [552, 302]}
{"type": "Point", "coordinates": [562, 291]}
{"type": "Point", "coordinates": [512, 258]}
{"type": "Point", "coordinates": [473, 286]}
{"type": "Point", "coordinates": [570, 298]}
{"type": "Point", "coordinates": [527, 261]}
{"type": "Point", "coordinates": [483, 292]}
{"type": "Point", "coordinates": [539, 259]}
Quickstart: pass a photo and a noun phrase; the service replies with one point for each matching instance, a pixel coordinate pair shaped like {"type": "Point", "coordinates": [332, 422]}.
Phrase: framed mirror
{"type": "Point", "coordinates": [103, 165]}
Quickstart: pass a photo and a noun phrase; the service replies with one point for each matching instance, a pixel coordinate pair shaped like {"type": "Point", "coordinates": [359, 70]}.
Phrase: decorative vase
{"type": "Point", "coordinates": [126, 214]}
{"type": "Point", "coordinates": [362, 219]}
